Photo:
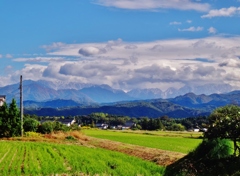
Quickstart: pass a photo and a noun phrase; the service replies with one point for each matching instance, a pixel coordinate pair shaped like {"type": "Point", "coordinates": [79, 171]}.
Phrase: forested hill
{"type": "Point", "coordinates": [188, 105]}
{"type": "Point", "coordinates": [151, 109]}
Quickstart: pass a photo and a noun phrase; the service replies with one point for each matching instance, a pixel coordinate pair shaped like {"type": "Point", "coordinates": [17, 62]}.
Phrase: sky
{"type": "Point", "coordinates": [125, 44]}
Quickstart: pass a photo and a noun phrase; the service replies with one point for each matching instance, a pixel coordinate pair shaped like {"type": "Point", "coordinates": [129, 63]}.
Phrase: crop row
{"type": "Point", "coordinates": [35, 158]}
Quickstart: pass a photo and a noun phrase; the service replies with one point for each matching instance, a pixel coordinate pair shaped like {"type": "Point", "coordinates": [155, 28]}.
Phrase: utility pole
{"type": "Point", "coordinates": [21, 104]}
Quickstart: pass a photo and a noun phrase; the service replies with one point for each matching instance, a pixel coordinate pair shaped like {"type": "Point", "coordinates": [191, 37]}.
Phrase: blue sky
{"type": "Point", "coordinates": [126, 44]}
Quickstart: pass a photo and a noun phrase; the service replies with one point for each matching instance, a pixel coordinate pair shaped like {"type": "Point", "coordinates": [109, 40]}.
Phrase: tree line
{"type": "Point", "coordinates": [142, 123]}
{"type": "Point", "coordinates": [10, 122]}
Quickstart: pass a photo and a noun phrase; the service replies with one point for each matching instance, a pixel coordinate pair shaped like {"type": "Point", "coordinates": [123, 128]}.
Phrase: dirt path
{"type": "Point", "coordinates": [160, 157]}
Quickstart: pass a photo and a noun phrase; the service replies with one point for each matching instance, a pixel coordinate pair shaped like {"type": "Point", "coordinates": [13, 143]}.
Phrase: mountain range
{"type": "Point", "coordinates": [82, 99]}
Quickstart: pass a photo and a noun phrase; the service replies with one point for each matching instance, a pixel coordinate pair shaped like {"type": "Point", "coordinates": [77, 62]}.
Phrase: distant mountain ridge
{"type": "Point", "coordinates": [85, 98]}
{"type": "Point", "coordinates": [188, 105]}
{"type": "Point", "coordinates": [88, 93]}
{"type": "Point", "coordinates": [172, 92]}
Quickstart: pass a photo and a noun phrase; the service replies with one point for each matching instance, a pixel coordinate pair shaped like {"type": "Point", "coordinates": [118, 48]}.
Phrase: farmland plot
{"type": "Point", "coordinates": [170, 142]}
{"type": "Point", "coordinates": [36, 158]}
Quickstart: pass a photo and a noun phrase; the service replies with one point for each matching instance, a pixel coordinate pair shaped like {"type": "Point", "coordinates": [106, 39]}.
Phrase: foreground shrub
{"type": "Point", "coordinates": [49, 127]}
{"type": "Point", "coordinates": [32, 134]}
{"type": "Point", "coordinates": [211, 157]}
{"type": "Point", "coordinates": [214, 149]}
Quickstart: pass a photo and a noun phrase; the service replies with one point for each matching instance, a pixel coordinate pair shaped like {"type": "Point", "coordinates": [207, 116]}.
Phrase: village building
{"type": "Point", "coordinates": [127, 125]}
{"type": "Point", "coordinates": [67, 122]}
{"type": "Point", "coordinates": [2, 99]}
{"type": "Point", "coordinates": [101, 125]}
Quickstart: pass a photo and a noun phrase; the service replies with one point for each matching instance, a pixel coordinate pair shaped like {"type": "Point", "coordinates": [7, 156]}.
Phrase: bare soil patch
{"type": "Point", "coordinates": [160, 157]}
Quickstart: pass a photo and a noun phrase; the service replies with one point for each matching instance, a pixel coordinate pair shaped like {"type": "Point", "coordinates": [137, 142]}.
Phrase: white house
{"type": "Point", "coordinates": [67, 122]}
{"type": "Point", "coordinates": [196, 129]}
{"type": "Point", "coordinates": [101, 125]}
{"type": "Point", "coordinates": [2, 99]}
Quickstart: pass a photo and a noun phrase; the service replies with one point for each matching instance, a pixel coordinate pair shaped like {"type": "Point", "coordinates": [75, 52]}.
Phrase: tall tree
{"type": "Point", "coordinates": [4, 124]}
{"type": "Point", "coordinates": [10, 120]}
{"type": "Point", "coordinates": [224, 122]}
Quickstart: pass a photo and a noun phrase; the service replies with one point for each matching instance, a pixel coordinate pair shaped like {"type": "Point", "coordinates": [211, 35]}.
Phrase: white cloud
{"type": "Point", "coordinates": [90, 50]}
{"type": "Point", "coordinates": [128, 65]}
{"type": "Point", "coordinates": [39, 59]}
{"type": "Point", "coordinates": [8, 56]}
{"type": "Point", "coordinates": [189, 21]}
{"type": "Point", "coordinates": [8, 70]}
{"type": "Point", "coordinates": [230, 63]}
{"type": "Point", "coordinates": [53, 46]}
{"type": "Point", "coordinates": [224, 12]}
{"type": "Point", "coordinates": [155, 4]}
{"type": "Point", "coordinates": [191, 29]}
{"type": "Point", "coordinates": [1, 56]}
{"type": "Point", "coordinates": [131, 47]}
{"type": "Point", "coordinates": [175, 23]}
{"type": "Point", "coordinates": [212, 30]}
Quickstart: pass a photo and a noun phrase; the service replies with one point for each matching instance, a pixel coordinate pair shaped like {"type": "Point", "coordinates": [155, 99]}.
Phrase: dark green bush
{"type": "Point", "coordinates": [30, 124]}
{"type": "Point", "coordinates": [49, 127]}
{"type": "Point", "coordinates": [58, 126]}
{"type": "Point", "coordinates": [46, 127]}
{"type": "Point", "coordinates": [214, 149]}
{"type": "Point", "coordinates": [211, 157]}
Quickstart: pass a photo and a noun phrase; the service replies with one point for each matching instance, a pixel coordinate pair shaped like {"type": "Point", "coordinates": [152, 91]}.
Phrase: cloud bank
{"type": "Point", "coordinates": [223, 12]}
{"type": "Point", "coordinates": [155, 4]}
{"type": "Point", "coordinates": [191, 29]}
{"type": "Point", "coordinates": [128, 65]}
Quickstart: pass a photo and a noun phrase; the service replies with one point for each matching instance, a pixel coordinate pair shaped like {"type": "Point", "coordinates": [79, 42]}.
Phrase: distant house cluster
{"type": "Point", "coordinates": [2, 99]}
{"type": "Point", "coordinates": [70, 121]}
{"type": "Point", "coordinates": [127, 125]}
{"type": "Point", "coordinates": [67, 122]}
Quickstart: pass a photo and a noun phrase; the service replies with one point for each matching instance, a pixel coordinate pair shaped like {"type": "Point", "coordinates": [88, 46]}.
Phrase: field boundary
{"type": "Point", "coordinates": [158, 156]}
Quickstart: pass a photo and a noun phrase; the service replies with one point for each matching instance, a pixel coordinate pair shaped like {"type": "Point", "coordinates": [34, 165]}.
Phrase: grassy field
{"type": "Point", "coordinates": [173, 141]}
{"type": "Point", "coordinates": [38, 158]}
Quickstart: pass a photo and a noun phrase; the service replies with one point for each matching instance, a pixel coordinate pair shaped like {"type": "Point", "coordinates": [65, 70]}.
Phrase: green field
{"type": "Point", "coordinates": [36, 158]}
{"type": "Point", "coordinates": [172, 141]}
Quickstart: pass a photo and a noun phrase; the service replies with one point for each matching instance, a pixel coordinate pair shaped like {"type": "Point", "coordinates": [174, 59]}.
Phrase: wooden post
{"type": "Point", "coordinates": [21, 105]}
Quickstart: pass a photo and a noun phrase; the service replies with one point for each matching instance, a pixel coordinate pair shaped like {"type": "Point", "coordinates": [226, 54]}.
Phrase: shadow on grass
{"type": "Point", "coordinates": [210, 158]}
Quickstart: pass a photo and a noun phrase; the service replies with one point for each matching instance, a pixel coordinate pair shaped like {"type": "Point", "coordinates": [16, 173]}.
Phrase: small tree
{"type": "Point", "coordinates": [224, 122]}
